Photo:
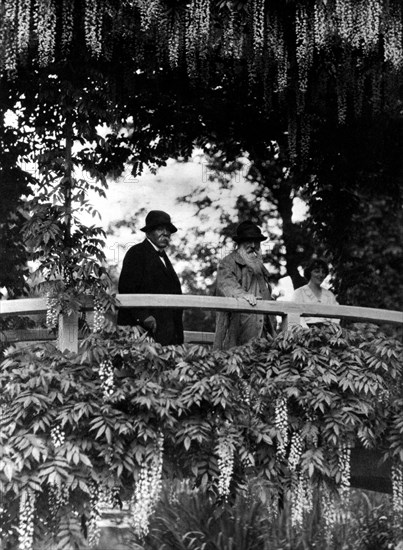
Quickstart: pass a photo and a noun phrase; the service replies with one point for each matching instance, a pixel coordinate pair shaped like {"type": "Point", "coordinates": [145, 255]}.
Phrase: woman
{"type": "Point", "coordinates": [314, 293]}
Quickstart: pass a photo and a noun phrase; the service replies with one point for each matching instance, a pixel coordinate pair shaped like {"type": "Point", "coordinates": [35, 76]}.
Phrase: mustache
{"type": "Point", "coordinates": [252, 250]}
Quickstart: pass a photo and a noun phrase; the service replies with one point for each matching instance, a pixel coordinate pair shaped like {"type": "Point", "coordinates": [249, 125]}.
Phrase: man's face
{"type": "Point", "coordinates": [160, 236]}
{"type": "Point", "coordinates": [251, 248]}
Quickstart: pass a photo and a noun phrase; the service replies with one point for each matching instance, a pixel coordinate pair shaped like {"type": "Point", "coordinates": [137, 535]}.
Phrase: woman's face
{"type": "Point", "coordinates": [318, 275]}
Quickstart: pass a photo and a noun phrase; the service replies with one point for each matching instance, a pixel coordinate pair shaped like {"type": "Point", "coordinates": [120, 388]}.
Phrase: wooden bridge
{"type": "Point", "coordinates": [365, 469]}
{"type": "Point", "coordinates": [290, 312]}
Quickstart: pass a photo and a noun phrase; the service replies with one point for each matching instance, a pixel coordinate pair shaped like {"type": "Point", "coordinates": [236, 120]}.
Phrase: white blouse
{"type": "Point", "coordinates": [305, 295]}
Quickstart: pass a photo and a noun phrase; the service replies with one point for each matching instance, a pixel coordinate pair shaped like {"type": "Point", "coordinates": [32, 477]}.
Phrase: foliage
{"type": "Point", "coordinates": [237, 77]}
{"type": "Point", "coordinates": [61, 163]}
{"type": "Point", "coordinates": [353, 197]}
{"type": "Point", "coordinates": [350, 181]}
{"type": "Point", "coordinates": [14, 184]}
{"type": "Point", "coordinates": [188, 519]}
{"type": "Point", "coordinates": [74, 422]}
{"type": "Point", "coordinates": [280, 43]}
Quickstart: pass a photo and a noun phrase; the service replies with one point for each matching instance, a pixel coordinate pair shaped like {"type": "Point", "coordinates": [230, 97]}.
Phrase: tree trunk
{"type": "Point", "coordinates": [291, 231]}
{"type": "Point", "coordinates": [68, 189]}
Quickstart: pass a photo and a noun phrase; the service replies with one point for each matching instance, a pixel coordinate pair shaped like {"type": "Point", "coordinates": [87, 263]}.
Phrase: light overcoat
{"type": "Point", "coordinates": [236, 279]}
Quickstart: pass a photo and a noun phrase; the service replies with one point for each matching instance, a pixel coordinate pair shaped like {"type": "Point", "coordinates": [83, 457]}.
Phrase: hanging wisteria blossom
{"type": "Point", "coordinates": [26, 520]}
{"type": "Point", "coordinates": [281, 421]}
{"type": "Point", "coordinates": [225, 453]}
{"type": "Point", "coordinates": [147, 491]}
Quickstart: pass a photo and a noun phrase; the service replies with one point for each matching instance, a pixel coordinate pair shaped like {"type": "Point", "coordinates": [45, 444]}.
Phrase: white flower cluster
{"type": "Point", "coordinates": [149, 9]}
{"type": "Point", "coordinates": [232, 35]}
{"type": "Point", "coordinates": [67, 25]}
{"type": "Point", "coordinates": [281, 422]}
{"type": "Point", "coordinates": [106, 499]}
{"type": "Point", "coordinates": [384, 396]}
{"type": "Point", "coordinates": [51, 311]}
{"type": "Point", "coordinates": [26, 520]}
{"type": "Point", "coordinates": [58, 497]}
{"type": "Point", "coordinates": [248, 460]}
{"type": "Point", "coordinates": [305, 46]}
{"type": "Point", "coordinates": [344, 19]}
{"type": "Point", "coordinates": [102, 498]}
{"type": "Point", "coordinates": [147, 491]}
{"type": "Point", "coordinates": [24, 12]}
{"type": "Point", "coordinates": [197, 33]}
{"type": "Point", "coordinates": [258, 26]}
{"type": "Point", "coordinates": [370, 14]}
{"type": "Point", "coordinates": [225, 453]}
{"type": "Point", "coordinates": [301, 500]}
{"type": "Point", "coordinates": [275, 40]}
{"type": "Point", "coordinates": [107, 379]}
{"type": "Point", "coordinates": [8, 24]}
{"type": "Point", "coordinates": [93, 22]}
{"type": "Point", "coordinates": [58, 436]}
{"type": "Point", "coordinates": [273, 505]}
{"type": "Point", "coordinates": [45, 23]}
{"type": "Point", "coordinates": [397, 489]}
{"type": "Point", "coordinates": [320, 25]}
{"type": "Point", "coordinates": [329, 514]}
{"type": "Point", "coordinates": [345, 471]}
{"type": "Point", "coordinates": [174, 41]}
{"type": "Point", "coordinates": [295, 451]}
{"type": "Point", "coordinates": [4, 518]}
{"type": "Point", "coordinates": [99, 316]}
{"type": "Point", "coordinates": [93, 527]}
{"type": "Point", "coordinates": [245, 392]}
{"type": "Point", "coordinates": [393, 44]}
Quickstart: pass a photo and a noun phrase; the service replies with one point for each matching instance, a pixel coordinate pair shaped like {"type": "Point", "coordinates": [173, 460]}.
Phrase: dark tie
{"type": "Point", "coordinates": [161, 254]}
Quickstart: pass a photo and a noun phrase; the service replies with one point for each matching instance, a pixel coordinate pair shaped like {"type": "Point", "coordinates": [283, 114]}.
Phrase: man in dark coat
{"type": "Point", "coordinates": [147, 270]}
{"type": "Point", "coordinates": [242, 275]}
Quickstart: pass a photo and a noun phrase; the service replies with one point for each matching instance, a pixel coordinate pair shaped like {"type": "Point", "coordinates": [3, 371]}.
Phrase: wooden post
{"type": "Point", "coordinates": [68, 332]}
{"type": "Point", "coordinates": [289, 320]}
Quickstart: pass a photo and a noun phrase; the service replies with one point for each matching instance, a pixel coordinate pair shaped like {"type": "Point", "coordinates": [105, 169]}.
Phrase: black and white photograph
{"type": "Point", "coordinates": [201, 275]}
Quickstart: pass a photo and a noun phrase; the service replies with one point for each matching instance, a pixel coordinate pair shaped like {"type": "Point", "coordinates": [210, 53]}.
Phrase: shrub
{"type": "Point", "coordinates": [81, 431]}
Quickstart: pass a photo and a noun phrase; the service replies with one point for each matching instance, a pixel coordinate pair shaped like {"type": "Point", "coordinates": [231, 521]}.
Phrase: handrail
{"type": "Point", "coordinates": [219, 303]}
{"type": "Point", "coordinates": [38, 305]}
{"type": "Point", "coordinates": [289, 311]}
{"type": "Point", "coordinates": [25, 306]}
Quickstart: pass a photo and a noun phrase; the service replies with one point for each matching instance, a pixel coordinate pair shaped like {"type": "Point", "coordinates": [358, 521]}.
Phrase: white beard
{"type": "Point", "coordinates": [253, 260]}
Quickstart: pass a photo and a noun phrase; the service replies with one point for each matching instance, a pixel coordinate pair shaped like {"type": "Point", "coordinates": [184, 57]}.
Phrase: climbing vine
{"type": "Point", "coordinates": [364, 25]}
{"type": "Point", "coordinates": [358, 44]}
{"type": "Point", "coordinates": [75, 441]}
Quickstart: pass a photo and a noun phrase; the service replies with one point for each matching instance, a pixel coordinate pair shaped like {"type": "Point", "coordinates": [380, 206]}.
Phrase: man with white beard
{"type": "Point", "coordinates": [242, 274]}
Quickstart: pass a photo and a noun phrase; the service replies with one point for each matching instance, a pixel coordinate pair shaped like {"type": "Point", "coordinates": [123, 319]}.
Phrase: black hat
{"type": "Point", "coordinates": [158, 217]}
{"type": "Point", "coordinates": [248, 231]}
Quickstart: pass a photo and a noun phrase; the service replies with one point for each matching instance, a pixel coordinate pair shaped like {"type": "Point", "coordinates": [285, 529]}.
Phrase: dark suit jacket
{"type": "Point", "coordinates": [144, 273]}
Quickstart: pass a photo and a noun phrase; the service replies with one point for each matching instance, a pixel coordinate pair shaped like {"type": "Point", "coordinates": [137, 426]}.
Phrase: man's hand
{"type": "Point", "coordinates": [251, 298]}
{"type": "Point", "coordinates": [150, 324]}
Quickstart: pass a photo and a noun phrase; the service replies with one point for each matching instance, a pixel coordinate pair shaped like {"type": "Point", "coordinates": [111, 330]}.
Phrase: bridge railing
{"type": "Point", "coordinates": [290, 312]}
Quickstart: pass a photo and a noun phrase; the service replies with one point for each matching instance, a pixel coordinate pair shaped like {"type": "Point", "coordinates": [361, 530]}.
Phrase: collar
{"type": "Point", "coordinates": [311, 294]}
{"type": "Point", "coordinates": [153, 245]}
